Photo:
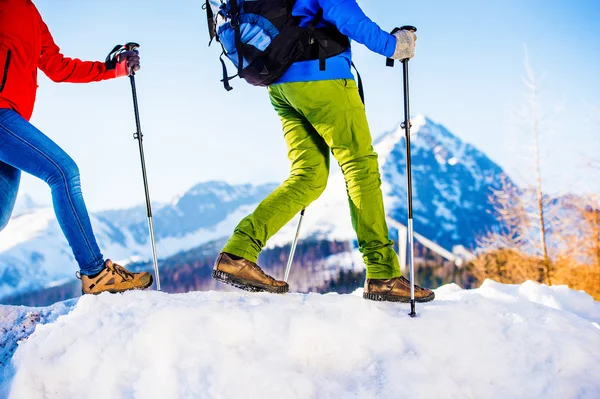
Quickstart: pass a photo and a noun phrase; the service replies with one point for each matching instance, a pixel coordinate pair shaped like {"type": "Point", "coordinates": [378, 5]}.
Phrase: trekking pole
{"type": "Point", "coordinates": [293, 249]}
{"type": "Point", "coordinates": [406, 126]}
{"type": "Point", "coordinates": [139, 137]}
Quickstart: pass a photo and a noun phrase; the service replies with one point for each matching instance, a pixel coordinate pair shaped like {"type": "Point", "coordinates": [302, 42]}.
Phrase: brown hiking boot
{"type": "Point", "coordinates": [114, 278]}
{"type": "Point", "coordinates": [242, 273]}
{"type": "Point", "coordinates": [395, 290]}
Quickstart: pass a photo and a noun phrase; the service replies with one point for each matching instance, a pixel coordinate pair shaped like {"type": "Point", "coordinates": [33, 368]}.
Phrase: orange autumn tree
{"type": "Point", "coordinates": [541, 237]}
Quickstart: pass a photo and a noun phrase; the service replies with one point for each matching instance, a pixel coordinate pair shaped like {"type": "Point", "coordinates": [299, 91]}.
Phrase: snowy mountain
{"type": "Point", "coordinates": [34, 253]}
{"type": "Point", "coordinates": [451, 181]}
{"type": "Point", "coordinates": [24, 205]}
{"type": "Point", "coordinates": [497, 342]}
{"type": "Point", "coordinates": [203, 207]}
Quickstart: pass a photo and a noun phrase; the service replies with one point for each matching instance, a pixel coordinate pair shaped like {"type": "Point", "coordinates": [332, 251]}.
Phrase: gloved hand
{"type": "Point", "coordinates": [127, 61]}
{"type": "Point", "coordinates": [405, 45]}
{"type": "Point", "coordinates": [123, 62]}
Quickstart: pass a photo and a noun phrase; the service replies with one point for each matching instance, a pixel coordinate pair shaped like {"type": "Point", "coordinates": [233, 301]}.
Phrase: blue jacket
{"type": "Point", "coordinates": [349, 19]}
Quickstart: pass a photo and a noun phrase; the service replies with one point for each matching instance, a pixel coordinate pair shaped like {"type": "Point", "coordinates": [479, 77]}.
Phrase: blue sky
{"type": "Point", "coordinates": [467, 75]}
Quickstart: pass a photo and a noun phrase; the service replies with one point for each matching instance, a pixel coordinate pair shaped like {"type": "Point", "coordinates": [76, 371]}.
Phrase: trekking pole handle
{"type": "Point", "coordinates": [390, 62]}
{"type": "Point", "coordinates": [131, 46]}
{"type": "Point", "coordinates": [407, 27]}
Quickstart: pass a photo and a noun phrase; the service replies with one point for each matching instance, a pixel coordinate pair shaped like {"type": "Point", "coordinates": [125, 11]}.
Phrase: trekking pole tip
{"type": "Point", "coordinates": [413, 312]}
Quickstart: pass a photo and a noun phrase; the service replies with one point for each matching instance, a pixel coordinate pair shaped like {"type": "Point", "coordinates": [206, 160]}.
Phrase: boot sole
{"type": "Point", "coordinates": [392, 298]}
{"type": "Point", "coordinates": [117, 291]}
{"type": "Point", "coordinates": [247, 285]}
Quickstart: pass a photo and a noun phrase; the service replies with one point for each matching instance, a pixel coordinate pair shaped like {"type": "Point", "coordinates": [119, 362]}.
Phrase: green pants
{"type": "Point", "coordinates": [318, 117]}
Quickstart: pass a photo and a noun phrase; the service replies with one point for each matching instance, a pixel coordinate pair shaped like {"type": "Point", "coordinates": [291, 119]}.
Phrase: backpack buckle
{"type": "Point", "coordinates": [235, 20]}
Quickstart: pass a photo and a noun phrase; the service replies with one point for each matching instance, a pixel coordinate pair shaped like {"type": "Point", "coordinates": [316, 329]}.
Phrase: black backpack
{"type": "Point", "coordinates": [262, 38]}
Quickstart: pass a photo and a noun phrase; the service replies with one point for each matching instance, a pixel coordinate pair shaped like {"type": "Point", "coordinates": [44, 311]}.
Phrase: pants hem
{"type": "Point", "coordinates": [244, 253]}
{"type": "Point", "coordinates": [92, 268]}
{"type": "Point", "coordinates": [383, 275]}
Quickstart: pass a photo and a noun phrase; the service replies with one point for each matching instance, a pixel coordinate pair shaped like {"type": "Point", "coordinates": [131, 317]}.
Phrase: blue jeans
{"type": "Point", "coordinates": [25, 148]}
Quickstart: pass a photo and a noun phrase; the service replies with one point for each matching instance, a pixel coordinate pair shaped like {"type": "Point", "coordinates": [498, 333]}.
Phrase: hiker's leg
{"type": "Point", "coordinates": [309, 158]}
{"type": "Point", "coordinates": [336, 111]}
{"type": "Point", "coordinates": [9, 187]}
{"type": "Point", "coordinates": [26, 148]}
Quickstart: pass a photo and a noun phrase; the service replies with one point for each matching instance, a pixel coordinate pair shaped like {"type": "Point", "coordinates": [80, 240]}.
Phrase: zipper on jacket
{"type": "Point", "coordinates": [5, 71]}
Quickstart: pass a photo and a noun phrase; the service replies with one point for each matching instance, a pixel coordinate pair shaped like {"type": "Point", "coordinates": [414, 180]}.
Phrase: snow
{"type": "Point", "coordinates": [26, 227]}
{"type": "Point", "coordinates": [442, 211]}
{"type": "Point", "coordinates": [557, 296]}
{"type": "Point", "coordinates": [17, 323]}
{"type": "Point", "coordinates": [499, 341]}
{"type": "Point", "coordinates": [352, 260]}
{"type": "Point", "coordinates": [452, 192]}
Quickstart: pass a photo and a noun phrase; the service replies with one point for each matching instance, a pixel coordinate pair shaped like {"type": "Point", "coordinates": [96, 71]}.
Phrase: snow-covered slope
{"type": "Point", "coordinates": [451, 179]}
{"type": "Point", "coordinates": [527, 341]}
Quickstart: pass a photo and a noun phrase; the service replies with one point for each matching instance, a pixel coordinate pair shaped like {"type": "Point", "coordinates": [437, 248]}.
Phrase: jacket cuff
{"type": "Point", "coordinates": [390, 46]}
{"type": "Point", "coordinates": [109, 73]}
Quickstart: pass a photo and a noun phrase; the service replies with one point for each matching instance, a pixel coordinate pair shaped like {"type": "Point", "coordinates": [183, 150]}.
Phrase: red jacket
{"type": "Point", "coordinates": [26, 45]}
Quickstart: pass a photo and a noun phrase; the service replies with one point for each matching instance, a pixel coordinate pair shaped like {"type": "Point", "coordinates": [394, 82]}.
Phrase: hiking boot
{"type": "Point", "coordinates": [395, 290]}
{"type": "Point", "coordinates": [242, 273]}
{"type": "Point", "coordinates": [114, 278]}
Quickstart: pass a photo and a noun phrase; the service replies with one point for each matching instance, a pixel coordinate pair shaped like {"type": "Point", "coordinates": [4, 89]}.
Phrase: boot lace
{"type": "Point", "coordinates": [121, 271]}
{"type": "Point", "coordinates": [261, 271]}
{"type": "Point", "coordinates": [406, 283]}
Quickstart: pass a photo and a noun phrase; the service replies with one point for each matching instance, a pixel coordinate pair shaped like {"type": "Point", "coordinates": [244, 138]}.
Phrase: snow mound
{"type": "Point", "coordinates": [498, 341]}
{"type": "Point", "coordinates": [16, 324]}
{"type": "Point", "coordinates": [557, 297]}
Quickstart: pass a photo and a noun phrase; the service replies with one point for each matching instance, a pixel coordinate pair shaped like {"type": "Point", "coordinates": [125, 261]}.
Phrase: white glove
{"type": "Point", "coordinates": [405, 45]}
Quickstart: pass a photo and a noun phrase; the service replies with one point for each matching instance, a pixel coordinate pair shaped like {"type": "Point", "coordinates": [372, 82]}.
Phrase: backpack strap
{"type": "Point", "coordinates": [290, 5]}
{"type": "Point", "coordinates": [329, 41]}
{"type": "Point", "coordinates": [323, 44]}
{"type": "Point", "coordinates": [361, 90]}
{"type": "Point", "coordinates": [212, 32]}
{"type": "Point", "coordinates": [316, 20]}
{"type": "Point", "coordinates": [212, 28]}
{"type": "Point", "coordinates": [234, 9]}
{"type": "Point", "coordinates": [311, 28]}
{"type": "Point", "coordinates": [226, 77]}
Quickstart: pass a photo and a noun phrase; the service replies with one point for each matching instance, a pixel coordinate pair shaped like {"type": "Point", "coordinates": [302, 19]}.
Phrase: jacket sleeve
{"type": "Point", "coordinates": [350, 19]}
{"type": "Point", "coordinates": [63, 69]}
